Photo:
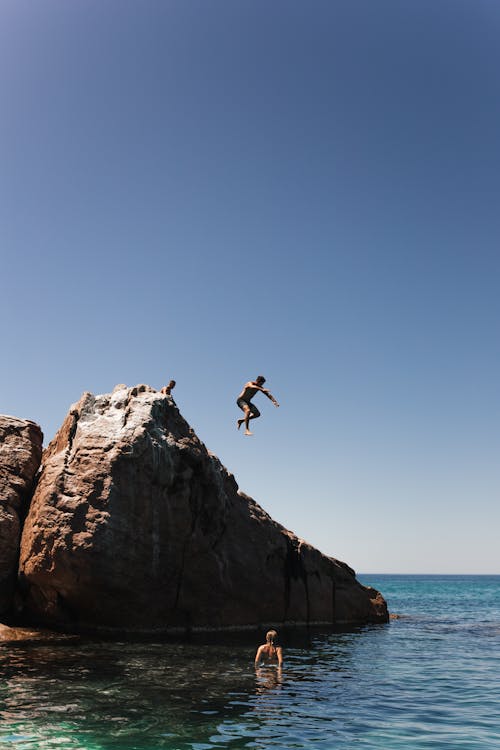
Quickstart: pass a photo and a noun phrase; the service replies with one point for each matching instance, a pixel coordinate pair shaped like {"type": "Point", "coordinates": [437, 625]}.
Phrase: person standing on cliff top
{"type": "Point", "coordinates": [167, 389]}
{"type": "Point", "coordinates": [245, 403]}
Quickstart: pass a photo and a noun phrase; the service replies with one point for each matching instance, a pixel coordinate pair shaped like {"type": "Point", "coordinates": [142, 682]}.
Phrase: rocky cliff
{"type": "Point", "coordinates": [20, 453]}
{"type": "Point", "coordinates": [136, 526]}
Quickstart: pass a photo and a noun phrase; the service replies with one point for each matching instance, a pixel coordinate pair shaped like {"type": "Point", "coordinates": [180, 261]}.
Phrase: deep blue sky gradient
{"type": "Point", "coordinates": [211, 190]}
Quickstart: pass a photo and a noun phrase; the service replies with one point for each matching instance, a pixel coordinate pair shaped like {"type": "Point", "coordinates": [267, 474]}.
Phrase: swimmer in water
{"type": "Point", "coordinates": [245, 403]}
{"type": "Point", "coordinates": [269, 653]}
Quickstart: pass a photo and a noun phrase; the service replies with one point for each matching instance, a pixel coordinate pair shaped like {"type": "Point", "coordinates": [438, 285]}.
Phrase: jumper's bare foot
{"type": "Point", "coordinates": [239, 422]}
{"type": "Point", "coordinates": [247, 432]}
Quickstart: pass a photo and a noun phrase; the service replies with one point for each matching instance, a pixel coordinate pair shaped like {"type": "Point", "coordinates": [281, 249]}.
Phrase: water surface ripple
{"type": "Point", "coordinates": [430, 679]}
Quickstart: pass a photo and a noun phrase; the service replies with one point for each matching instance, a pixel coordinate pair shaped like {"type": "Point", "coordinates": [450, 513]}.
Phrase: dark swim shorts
{"type": "Point", "coordinates": [253, 409]}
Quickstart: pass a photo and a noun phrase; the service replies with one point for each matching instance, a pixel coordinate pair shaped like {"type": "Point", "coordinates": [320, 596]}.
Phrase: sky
{"type": "Point", "coordinates": [208, 191]}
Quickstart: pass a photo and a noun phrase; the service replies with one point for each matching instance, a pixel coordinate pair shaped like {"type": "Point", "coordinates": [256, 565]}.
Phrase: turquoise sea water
{"type": "Point", "coordinates": [430, 679]}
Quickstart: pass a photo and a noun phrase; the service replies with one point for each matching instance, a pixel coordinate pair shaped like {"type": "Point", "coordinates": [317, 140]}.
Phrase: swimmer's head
{"type": "Point", "coordinates": [260, 379]}
{"type": "Point", "coordinates": [271, 635]}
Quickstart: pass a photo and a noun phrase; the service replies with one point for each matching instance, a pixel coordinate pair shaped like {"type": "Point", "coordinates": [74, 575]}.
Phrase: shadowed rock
{"type": "Point", "coordinates": [136, 526]}
{"type": "Point", "coordinates": [20, 454]}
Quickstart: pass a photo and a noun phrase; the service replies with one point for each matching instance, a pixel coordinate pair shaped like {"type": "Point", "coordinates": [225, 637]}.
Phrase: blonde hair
{"type": "Point", "coordinates": [270, 636]}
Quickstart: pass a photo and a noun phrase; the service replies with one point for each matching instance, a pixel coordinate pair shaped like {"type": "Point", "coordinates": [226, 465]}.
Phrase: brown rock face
{"type": "Point", "coordinates": [20, 454]}
{"type": "Point", "coordinates": [136, 526]}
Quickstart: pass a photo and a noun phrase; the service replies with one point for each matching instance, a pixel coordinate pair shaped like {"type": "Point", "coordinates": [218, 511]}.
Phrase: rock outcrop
{"type": "Point", "coordinates": [135, 526]}
{"type": "Point", "coordinates": [20, 454]}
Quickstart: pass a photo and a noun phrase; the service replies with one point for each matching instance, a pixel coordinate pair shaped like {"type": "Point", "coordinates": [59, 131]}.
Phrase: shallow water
{"type": "Point", "coordinates": [428, 680]}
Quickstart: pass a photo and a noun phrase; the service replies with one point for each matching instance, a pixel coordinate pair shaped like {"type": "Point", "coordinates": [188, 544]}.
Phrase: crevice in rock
{"type": "Point", "coordinates": [294, 570]}
{"type": "Point", "coordinates": [195, 512]}
{"type": "Point", "coordinates": [71, 434]}
{"type": "Point", "coordinates": [61, 483]}
{"type": "Point", "coordinates": [219, 536]}
{"type": "Point", "coordinates": [27, 497]}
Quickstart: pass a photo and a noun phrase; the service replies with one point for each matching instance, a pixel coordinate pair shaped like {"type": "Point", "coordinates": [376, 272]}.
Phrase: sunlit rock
{"type": "Point", "coordinates": [136, 526]}
{"type": "Point", "coordinates": [20, 453]}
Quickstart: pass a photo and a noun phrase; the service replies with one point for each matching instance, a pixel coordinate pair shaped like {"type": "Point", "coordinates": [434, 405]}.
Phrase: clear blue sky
{"type": "Point", "coordinates": [308, 190]}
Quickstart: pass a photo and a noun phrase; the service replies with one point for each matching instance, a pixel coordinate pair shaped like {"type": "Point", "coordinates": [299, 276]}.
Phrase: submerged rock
{"type": "Point", "coordinates": [135, 526]}
{"type": "Point", "coordinates": [20, 454]}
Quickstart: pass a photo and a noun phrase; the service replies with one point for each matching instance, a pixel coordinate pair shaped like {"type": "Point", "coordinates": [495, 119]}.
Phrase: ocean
{"type": "Point", "coordinates": [429, 679]}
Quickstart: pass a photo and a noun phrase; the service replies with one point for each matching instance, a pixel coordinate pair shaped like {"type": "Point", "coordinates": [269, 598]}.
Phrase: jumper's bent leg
{"type": "Point", "coordinates": [252, 413]}
{"type": "Point", "coordinates": [248, 417]}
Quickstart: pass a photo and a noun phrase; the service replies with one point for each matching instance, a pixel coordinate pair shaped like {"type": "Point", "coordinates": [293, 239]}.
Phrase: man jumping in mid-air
{"type": "Point", "coordinates": [245, 403]}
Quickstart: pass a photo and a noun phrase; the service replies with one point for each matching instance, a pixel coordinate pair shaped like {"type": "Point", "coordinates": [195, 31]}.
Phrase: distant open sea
{"type": "Point", "coordinates": [430, 679]}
